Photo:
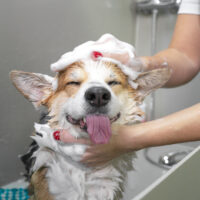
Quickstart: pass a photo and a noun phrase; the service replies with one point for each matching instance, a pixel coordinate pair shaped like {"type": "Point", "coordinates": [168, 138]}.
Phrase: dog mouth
{"type": "Point", "coordinates": [98, 126]}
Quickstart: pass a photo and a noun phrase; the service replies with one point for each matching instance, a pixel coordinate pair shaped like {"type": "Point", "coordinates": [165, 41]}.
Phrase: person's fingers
{"type": "Point", "coordinates": [90, 156]}
{"type": "Point", "coordinates": [96, 156]}
{"type": "Point", "coordinates": [97, 165]}
{"type": "Point", "coordinates": [93, 161]}
{"type": "Point", "coordinates": [66, 137]}
{"type": "Point", "coordinates": [123, 58]}
{"type": "Point", "coordinates": [138, 64]}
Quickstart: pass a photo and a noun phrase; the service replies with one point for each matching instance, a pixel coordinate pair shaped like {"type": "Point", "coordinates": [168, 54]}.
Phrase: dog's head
{"type": "Point", "coordinates": [90, 96]}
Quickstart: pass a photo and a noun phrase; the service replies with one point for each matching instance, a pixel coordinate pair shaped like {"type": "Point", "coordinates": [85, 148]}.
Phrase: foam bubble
{"type": "Point", "coordinates": [107, 43]}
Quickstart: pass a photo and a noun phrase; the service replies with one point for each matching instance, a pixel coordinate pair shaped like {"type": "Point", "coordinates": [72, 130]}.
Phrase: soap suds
{"type": "Point", "coordinates": [107, 43]}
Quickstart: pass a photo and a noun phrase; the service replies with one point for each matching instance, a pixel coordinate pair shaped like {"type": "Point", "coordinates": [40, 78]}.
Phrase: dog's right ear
{"type": "Point", "coordinates": [35, 87]}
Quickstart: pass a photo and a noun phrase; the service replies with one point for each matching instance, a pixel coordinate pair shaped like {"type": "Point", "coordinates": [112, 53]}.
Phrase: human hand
{"type": "Point", "coordinates": [123, 52]}
{"type": "Point", "coordinates": [100, 154]}
{"type": "Point", "coordinates": [107, 46]}
{"type": "Point", "coordinates": [65, 137]}
{"type": "Point", "coordinates": [138, 64]}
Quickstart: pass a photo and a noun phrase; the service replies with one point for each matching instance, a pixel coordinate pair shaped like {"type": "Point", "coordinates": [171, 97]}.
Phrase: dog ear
{"type": "Point", "coordinates": [35, 87]}
{"type": "Point", "coordinates": [151, 80]}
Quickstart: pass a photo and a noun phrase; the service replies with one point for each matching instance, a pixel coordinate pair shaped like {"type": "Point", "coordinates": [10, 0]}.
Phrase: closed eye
{"type": "Point", "coordinates": [112, 83]}
{"type": "Point", "coordinates": [73, 83]}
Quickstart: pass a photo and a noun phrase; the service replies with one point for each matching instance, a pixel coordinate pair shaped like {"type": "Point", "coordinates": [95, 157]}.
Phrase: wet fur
{"type": "Point", "coordinates": [38, 188]}
{"type": "Point", "coordinates": [104, 183]}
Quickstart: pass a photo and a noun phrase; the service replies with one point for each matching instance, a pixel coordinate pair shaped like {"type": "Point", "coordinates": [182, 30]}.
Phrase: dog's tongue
{"type": "Point", "coordinates": [99, 129]}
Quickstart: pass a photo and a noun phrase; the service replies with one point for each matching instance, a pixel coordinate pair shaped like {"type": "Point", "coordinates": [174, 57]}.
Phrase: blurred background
{"type": "Point", "coordinates": [34, 34]}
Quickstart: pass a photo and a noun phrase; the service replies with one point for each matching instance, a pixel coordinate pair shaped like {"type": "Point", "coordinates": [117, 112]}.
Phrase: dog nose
{"type": "Point", "coordinates": [97, 96]}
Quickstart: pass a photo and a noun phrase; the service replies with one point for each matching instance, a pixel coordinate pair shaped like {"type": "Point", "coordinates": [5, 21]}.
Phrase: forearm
{"type": "Point", "coordinates": [179, 127]}
{"type": "Point", "coordinates": [182, 56]}
{"type": "Point", "coordinates": [183, 68]}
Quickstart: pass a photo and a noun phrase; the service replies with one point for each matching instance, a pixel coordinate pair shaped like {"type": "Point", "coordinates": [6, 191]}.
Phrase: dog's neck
{"type": "Point", "coordinates": [49, 146]}
{"type": "Point", "coordinates": [66, 174]}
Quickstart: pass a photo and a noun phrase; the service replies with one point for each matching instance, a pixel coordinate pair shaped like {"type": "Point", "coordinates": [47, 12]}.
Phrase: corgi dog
{"type": "Point", "coordinates": [89, 98]}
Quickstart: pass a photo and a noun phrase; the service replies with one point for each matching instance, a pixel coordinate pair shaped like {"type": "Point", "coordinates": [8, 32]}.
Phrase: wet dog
{"type": "Point", "coordinates": [89, 98]}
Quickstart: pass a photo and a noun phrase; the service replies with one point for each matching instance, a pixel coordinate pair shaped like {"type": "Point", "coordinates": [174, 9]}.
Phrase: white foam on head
{"type": "Point", "coordinates": [107, 43]}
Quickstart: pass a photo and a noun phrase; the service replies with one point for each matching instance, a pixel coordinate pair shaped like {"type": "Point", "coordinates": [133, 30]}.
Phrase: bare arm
{"type": "Point", "coordinates": [183, 54]}
{"type": "Point", "coordinates": [179, 127]}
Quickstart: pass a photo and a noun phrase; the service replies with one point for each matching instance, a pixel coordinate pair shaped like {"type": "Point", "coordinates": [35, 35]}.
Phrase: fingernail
{"type": "Point", "coordinates": [96, 54]}
{"type": "Point", "coordinates": [56, 135]}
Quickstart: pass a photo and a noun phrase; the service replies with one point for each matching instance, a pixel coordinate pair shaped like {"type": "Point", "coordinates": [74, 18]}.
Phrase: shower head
{"type": "Point", "coordinates": [147, 6]}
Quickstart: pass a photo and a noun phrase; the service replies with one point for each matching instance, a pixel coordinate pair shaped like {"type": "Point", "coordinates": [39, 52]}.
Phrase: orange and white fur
{"type": "Point", "coordinates": [57, 172]}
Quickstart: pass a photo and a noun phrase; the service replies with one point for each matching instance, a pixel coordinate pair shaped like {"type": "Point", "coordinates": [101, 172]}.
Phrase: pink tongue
{"type": "Point", "coordinates": [98, 127]}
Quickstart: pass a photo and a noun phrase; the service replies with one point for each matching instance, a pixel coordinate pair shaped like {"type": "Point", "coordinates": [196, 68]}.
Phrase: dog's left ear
{"type": "Point", "coordinates": [151, 80]}
{"type": "Point", "coordinates": [35, 87]}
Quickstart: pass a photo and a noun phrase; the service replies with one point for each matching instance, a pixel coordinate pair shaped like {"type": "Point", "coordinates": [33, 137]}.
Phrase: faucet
{"type": "Point", "coordinates": [147, 6]}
